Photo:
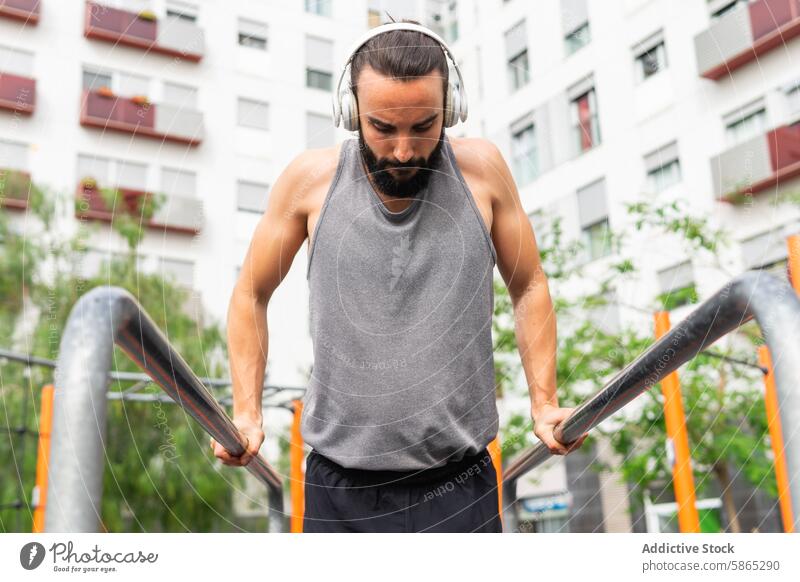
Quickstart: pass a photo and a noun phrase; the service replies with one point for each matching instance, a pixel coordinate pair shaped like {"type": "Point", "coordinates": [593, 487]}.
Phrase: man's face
{"type": "Point", "coordinates": [401, 130]}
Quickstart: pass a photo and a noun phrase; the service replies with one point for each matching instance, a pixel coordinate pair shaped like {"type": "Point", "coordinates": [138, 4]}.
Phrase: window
{"type": "Point", "coordinates": [593, 216]}
{"type": "Point", "coordinates": [746, 122]}
{"type": "Point", "coordinates": [109, 172]}
{"type": "Point", "coordinates": [719, 8]}
{"type": "Point", "coordinates": [321, 7]}
{"type": "Point", "coordinates": [793, 97]}
{"type": "Point", "coordinates": [251, 197]}
{"type": "Point", "coordinates": [524, 153]}
{"type": "Point", "coordinates": [16, 62]}
{"type": "Point", "coordinates": [123, 84]}
{"type": "Point", "coordinates": [181, 96]}
{"type": "Point", "coordinates": [517, 56]}
{"type": "Point", "coordinates": [178, 271]}
{"type": "Point", "coordinates": [650, 56]}
{"type": "Point", "coordinates": [577, 39]}
{"type": "Point", "coordinates": [319, 131]}
{"type": "Point", "coordinates": [575, 25]}
{"type": "Point", "coordinates": [583, 113]}
{"type": "Point", "coordinates": [93, 79]}
{"type": "Point", "coordinates": [766, 251]}
{"type": "Point", "coordinates": [252, 113]}
{"type": "Point", "coordinates": [319, 63]}
{"type": "Point", "coordinates": [663, 168]}
{"type": "Point", "coordinates": [252, 34]}
{"type": "Point", "coordinates": [182, 11]}
{"type": "Point", "coordinates": [677, 286]}
{"type": "Point", "coordinates": [129, 85]}
{"type": "Point", "coordinates": [13, 155]}
{"type": "Point", "coordinates": [180, 183]}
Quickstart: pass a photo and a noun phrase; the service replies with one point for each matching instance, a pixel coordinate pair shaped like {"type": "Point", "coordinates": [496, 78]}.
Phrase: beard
{"type": "Point", "coordinates": [400, 188]}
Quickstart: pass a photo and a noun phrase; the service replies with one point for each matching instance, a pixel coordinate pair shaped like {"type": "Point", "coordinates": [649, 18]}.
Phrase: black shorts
{"type": "Point", "coordinates": [460, 496]}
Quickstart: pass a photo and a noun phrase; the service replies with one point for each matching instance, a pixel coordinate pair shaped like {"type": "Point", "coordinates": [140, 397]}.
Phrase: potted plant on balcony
{"type": "Point", "coordinates": [88, 183]}
{"type": "Point", "coordinates": [147, 15]}
{"type": "Point", "coordinates": [140, 100]}
{"type": "Point", "coordinates": [105, 91]}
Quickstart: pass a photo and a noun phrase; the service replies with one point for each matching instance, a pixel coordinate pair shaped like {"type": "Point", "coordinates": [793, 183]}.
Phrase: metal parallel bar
{"type": "Point", "coordinates": [100, 318]}
{"type": "Point", "coordinates": [754, 294]}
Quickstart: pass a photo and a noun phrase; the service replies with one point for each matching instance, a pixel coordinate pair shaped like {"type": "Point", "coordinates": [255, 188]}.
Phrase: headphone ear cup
{"type": "Point", "coordinates": [350, 111]}
{"type": "Point", "coordinates": [456, 111]}
{"type": "Point", "coordinates": [448, 106]}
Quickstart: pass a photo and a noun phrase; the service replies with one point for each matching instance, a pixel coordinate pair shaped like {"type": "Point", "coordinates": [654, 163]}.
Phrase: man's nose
{"type": "Point", "coordinates": [403, 150]}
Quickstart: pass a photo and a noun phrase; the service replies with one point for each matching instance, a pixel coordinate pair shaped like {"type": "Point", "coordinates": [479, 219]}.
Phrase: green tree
{"type": "Point", "coordinates": [725, 411]}
{"type": "Point", "coordinates": [160, 474]}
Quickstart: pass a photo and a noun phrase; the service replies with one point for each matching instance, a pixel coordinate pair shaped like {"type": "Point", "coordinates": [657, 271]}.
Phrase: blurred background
{"type": "Point", "coordinates": [655, 145]}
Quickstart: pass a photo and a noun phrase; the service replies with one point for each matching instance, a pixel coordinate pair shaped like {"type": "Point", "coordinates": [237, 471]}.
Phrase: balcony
{"type": "Point", "coordinates": [25, 10]}
{"type": "Point", "coordinates": [177, 214]}
{"type": "Point", "coordinates": [17, 93]}
{"type": "Point", "coordinates": [766, 161]}
{"type": "Point", "coordinates": [15, 187]}
{"type": "Point", "coordinates": [103, 109]}
{"type": "Point", "coordinates": [744, 33]}
{"type": "Point", "coordinates": [170, 36]}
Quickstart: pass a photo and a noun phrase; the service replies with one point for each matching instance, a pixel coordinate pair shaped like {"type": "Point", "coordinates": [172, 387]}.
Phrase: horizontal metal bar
{"type": "Point", "coordinates": [754, 294]}
{"type": "Point", "coordinates": [130, 376]}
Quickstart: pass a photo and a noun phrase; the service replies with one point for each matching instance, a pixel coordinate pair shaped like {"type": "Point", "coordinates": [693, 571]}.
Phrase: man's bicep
{"type": "Point", "coordinates": [512, 233]}
{"type": "Point", "coordinates": [278, 236]}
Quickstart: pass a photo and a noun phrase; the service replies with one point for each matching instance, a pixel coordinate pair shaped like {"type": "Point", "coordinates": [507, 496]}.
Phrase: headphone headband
{"type": "Point", "coordinates": [460, 99]}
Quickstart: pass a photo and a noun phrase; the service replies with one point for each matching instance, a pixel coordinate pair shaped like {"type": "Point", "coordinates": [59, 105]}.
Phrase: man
{"type": "Point", "coordinates": [405, 226]}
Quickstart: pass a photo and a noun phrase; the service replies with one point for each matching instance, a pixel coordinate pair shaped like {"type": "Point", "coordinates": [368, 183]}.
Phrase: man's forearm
{"type": "Point", "coordinates": [535, 329]}
{"type": "Point", "coordinates": [247, 352]}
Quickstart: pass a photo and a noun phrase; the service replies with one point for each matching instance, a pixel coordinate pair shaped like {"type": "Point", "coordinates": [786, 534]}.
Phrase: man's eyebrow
{"type": "Point", "coordinates": [423, 122]}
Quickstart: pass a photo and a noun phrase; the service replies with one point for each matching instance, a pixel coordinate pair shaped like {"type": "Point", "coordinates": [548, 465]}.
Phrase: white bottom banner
{"type": "Point", "coordinates": [385, 557]}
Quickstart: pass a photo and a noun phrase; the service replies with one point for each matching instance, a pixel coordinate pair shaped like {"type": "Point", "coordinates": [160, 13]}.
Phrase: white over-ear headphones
{"type": "Point", "coordinates": [345, 107]}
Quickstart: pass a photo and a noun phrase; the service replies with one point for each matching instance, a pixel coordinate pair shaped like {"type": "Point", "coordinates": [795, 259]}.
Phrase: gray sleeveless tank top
{"type": "Point", "coordinates": [401, 319]}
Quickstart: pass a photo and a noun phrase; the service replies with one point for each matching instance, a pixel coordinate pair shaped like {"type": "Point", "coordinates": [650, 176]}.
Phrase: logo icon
{"type": "Point", "coordinates": [31, 555]}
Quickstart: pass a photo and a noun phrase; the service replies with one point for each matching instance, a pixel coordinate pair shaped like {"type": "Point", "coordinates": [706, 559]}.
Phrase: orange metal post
{"type": "Point", "coordinates": [296, 476]}
{"type": "Point", "coordinates": [496, 452]}
{"type": "Point", "coordinates": [42, 458]}
{"type": "Point", "coordinates": [793, 242]}
{"type": "Point", "coordinates": [776, 436]}
{"type": "Point", "coordinates": [682, 477]}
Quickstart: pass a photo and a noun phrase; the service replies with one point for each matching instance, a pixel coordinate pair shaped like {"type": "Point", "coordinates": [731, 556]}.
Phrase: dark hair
{"type": "Point", "coordinates": [400, 54]}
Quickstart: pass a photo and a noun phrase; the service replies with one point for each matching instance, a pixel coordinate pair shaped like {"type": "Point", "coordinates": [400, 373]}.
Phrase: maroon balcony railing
{"type": "Point", "coordinates": [784, 152]}
{"type": "Point", "coordinates": [17, 93]}
{"type": "Point", "coordinates": [15, 186]}
{"type": "Point", "coordinates": [92, 205]}
{"type": "Point", "coordinates": [741, 37]}
{"type": "Point", "coordinates": [104, 110]}
{"type": "Point", "coordinates": [25, 10]}
{"type": "Point", "coordinates": [132, 29]}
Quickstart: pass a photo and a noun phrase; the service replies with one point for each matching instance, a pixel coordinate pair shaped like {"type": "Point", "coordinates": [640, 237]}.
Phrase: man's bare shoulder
{"type": "Point", "coordinates": [480, 162]}
{"type": "Point", "coordinates": [475, 155]}
{"type": "Point", "coordinates": [312, 172]}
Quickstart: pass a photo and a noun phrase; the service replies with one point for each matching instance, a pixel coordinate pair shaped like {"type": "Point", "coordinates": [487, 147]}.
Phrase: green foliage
{"type": "Point", "coordinates": [724, 406]}
{"type": "Point", "coordinates": [160, 472]}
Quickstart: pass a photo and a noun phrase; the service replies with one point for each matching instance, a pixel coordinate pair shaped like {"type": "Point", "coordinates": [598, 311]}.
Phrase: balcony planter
{"type": "Point", "coordinates": [105, 92]}
{"type": "Point", "coordinates": [148, 15]}
{"type": "Point", "coordinates": [141, 100]}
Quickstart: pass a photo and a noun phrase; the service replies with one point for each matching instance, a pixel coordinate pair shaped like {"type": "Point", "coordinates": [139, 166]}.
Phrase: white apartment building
{"type": "Point", "coordinates": [593, 103]}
